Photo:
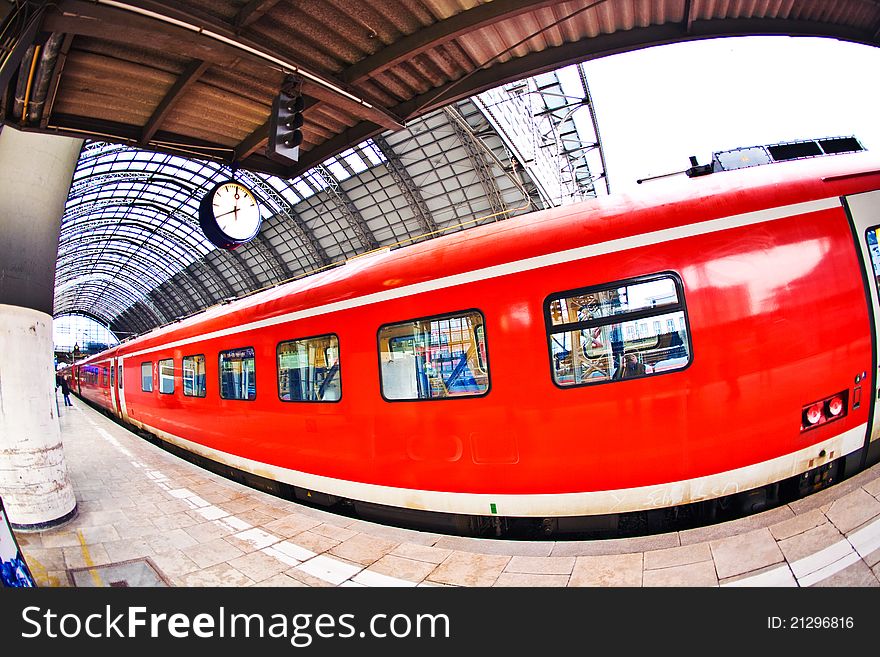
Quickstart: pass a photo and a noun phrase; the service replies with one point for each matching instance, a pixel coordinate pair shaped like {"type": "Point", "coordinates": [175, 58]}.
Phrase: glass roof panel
{"type": "Point", "coordinates": [131, 248]}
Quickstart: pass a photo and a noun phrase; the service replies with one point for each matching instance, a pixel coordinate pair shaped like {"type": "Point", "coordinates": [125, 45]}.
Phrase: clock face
{"type": "Point", "coordinates": [236, 211]}
{"type": "Point", "coordinates": [230, 215]}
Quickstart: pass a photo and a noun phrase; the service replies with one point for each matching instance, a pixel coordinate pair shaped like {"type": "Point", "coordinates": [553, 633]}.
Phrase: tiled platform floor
{"type": "Point", "coordinates": [137, 502]}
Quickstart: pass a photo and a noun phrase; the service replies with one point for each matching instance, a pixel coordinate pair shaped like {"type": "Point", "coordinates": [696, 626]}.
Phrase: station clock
{"type": "Point", "coordinates": [229, 215]}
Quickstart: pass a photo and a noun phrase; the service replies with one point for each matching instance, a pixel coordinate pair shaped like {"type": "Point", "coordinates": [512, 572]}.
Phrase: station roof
{"type": "Point", "coordinates": [198, 77]}
{"type": "Point", "coordinates": [132, 255]}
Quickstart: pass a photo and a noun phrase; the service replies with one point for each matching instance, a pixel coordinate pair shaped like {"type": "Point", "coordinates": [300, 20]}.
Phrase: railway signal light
{"type": "Point", "coordinates": [285, 128]}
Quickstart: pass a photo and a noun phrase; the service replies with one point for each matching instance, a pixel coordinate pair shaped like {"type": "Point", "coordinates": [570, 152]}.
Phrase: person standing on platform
{"type": "Point", "coordinates": [65, 390]}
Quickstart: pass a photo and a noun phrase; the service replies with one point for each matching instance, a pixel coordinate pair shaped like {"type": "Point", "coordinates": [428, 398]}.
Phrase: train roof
{"type": "Point", "coordinates": [655, 205]}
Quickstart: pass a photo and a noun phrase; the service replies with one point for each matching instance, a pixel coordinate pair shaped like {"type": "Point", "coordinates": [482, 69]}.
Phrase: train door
{"type": "Point", "coordinates": [113, 403]}
{"type": "Point", "coordinates": [864, 213]}
{"type": "Point", "coordinates": [120, 389]}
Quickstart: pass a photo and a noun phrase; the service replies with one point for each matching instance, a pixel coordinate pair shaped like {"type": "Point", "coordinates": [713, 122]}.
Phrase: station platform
{"type": "Point", "coordinates": [147, 518]}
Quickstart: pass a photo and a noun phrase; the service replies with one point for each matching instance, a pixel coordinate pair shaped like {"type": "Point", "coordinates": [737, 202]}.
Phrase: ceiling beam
{"type": "Point", "coordinates": [121, 133]}
{"type": "Point", "coordinates": [114, 131]}
{"type": "Point", "coordinates": [441, 32]}
{"type": "Point", "coordinates": [56, 78]}
{"type": "Point", "coordinates": [688, 16]}
{"type": "Point", "coordinates": [187, 78]}
{"type": "Point", "coordinates": [101, 22]}
{"type": "Point", "coordinates": [252, 12]}
{"type": "Point", "coordinates": [249, 145]}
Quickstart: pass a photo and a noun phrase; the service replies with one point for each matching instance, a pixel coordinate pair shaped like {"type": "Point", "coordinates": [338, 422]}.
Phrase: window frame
{"type": "Point", "coordinates": [152, 382]}
{"type": "Point", "coordinates": [205, 360]}
{"type": "Point", "coordinates": [338, 372]}
{"type": "Point", "coordinates": [220, 353]}
{"type": "Point", "coordinates": [426, 318]}
{"type": "Point", "coordinates": [870, 268]}
{"type": "Point", "coordinates": [159, 366]}
{"type": "Point", "coordinates": [635, 315]}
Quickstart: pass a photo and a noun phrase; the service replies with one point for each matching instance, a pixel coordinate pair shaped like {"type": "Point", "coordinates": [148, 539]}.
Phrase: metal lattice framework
{"type": "Point", "coordinates": [132, 255]}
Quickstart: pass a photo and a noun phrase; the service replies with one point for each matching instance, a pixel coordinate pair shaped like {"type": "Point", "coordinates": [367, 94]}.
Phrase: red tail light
{"type": "Point", "coordinates": [835, 406]}
{"type": "Point", "coordinates": [824, 411]}
{"type": "Point", "coordinates": [814, 414]}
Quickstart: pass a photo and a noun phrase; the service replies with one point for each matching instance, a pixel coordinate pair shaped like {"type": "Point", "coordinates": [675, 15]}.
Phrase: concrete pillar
{"type": "Point", "coordinates": [35, 175]}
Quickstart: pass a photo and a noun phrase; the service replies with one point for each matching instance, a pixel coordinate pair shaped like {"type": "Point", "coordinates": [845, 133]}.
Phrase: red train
{"type": "Point", "coordinates": [707, 346]}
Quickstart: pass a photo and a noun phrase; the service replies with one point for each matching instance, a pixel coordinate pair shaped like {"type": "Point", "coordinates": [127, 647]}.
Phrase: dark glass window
{"type": "Point", "coordinates": [238, 374]}
{"type": "Point", "coordinates": [618, 331]}
{"type": "Point", "coordinates": [194, 376]}
{"type": "Point", "coordinates": [435, 358]}
{"type": "Point", "coordinates": [308, 369]}
{"type": "Point", "coordinates": [147, 376]}
{"type": "Point", "coordinates": [166, 376]}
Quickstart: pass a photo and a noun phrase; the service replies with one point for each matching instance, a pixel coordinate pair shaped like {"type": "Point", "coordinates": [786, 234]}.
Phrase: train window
{"type": "Point", "coordinates": [147, 376]}
{"type": "Point", "coordinates": [194, 376]}
{"type": "Point", "coordinates": [618, 331]}
{"type": "Point", "coordinates": [434, 358]}
{"type": "Point", "coordinates": [308, 370]}
{"type": "Point", "coordinates": [166, 376]}
{"type": "Point", "coordinates": [119, 376]}
{"type": "Point", "coordinates": [238, 374]}
{"type": "Point", "coordinates": [112, 376]}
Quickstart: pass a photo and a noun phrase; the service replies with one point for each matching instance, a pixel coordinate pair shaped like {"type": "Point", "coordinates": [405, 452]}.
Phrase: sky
{"type": "Point", "coordinates": [657, 106]}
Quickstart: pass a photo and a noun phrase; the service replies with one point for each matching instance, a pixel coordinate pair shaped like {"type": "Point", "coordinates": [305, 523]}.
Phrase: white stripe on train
{"type": "Point", "coordinates": [550, 504]}
{"type": "Point", "coordinates": [518, 266]}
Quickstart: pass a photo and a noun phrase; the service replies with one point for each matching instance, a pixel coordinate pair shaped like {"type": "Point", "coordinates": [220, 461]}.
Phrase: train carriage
{"type": "Point", "coordinates": [708, 343]}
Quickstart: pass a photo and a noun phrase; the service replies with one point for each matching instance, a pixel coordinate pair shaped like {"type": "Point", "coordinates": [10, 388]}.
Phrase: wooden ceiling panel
{"type": "Point", "coordinates": [98, 86]}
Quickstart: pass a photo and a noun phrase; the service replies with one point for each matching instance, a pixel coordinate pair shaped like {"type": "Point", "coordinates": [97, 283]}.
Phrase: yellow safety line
{"type": "Point", "coordinates": [88, 559]}
{"type": "Point", "coordinates": [40, 572]}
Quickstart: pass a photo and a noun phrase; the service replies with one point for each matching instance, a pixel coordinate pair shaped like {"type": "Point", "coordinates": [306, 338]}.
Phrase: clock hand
{"type": "Point", "coordinates": [225, 213]}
